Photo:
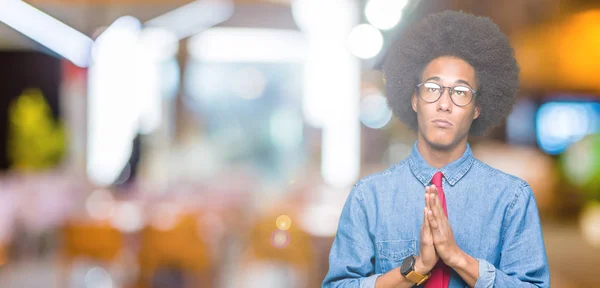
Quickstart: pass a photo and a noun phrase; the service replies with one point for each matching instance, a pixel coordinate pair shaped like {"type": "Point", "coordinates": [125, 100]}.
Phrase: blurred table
{"type": "Point", "coordinates": [573, 262]}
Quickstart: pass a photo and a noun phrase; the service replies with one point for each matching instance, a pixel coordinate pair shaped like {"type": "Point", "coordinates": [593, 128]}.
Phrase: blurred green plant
{"type": "Point", "coordinates": [580, 163]}
{"type": "Point", "coordinates": [36, 141]}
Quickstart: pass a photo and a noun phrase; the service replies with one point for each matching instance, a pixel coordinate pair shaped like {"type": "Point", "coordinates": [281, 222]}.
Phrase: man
{"type": "Point", "coordinates": [441, 218]}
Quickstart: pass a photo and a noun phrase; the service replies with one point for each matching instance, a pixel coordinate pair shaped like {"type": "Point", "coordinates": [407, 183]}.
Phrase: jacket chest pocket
{"type": "Point", "coordinates": [392, 252]}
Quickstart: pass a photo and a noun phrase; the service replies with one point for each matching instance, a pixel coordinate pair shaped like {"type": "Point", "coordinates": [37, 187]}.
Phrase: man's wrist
{"type": "Point", "coordinates": [420, 267]}
{"type": "Point", "coordinates": [459, 261]}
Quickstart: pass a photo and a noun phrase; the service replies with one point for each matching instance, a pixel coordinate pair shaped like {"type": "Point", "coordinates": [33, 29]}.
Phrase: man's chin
{"type": "Point", "coordinates": [441, 143]}
{"type": "Point", "coordinates": [445, 140]}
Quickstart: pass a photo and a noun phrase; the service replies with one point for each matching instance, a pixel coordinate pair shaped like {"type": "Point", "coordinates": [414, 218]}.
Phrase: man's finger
{"type": "Point", "coordinates": [441, 209]}
{"type": "Point", "coordinates": [425, 220]}
{"type": "Point", "coordinates": [437, 212]}
{"type": "Point", "coordinates": [437, 203]}
{"type": "Point", "coordinates": [431, 194]}
{"type": "Point", "coordinates": [433, 198]}
{"type": "Point", "coordinates": [426, 197]}
{"type": "Point", "coordinates": [440, 216]}
{"type": "Point", "coordinates": [432, 218]}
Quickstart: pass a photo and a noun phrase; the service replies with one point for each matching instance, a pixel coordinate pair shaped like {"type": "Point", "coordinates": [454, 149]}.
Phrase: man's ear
{"type": "Point", "coordinates": [477, 112]}
{"type": "Point", "coordinates": [413, 102]}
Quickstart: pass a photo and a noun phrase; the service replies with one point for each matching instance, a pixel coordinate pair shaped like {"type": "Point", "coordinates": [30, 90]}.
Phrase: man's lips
{"type": "Point", "coordinates": [442, 123]}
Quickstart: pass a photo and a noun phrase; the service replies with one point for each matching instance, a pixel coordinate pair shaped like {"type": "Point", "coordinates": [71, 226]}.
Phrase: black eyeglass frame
{"type": "Point", "coordinates": [442, 89]}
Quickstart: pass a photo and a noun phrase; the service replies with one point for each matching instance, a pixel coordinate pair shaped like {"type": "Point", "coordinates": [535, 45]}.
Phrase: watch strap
{"type": "Point", "coordinates": [416, 277]}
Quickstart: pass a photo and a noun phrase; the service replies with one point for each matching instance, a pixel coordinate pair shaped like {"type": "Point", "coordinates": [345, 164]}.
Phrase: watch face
{"type": "Point", "coordinates": [407, 265]}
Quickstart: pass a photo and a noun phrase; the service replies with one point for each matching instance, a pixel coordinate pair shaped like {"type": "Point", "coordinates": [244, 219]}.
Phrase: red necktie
{"type": "Point", "coordinates": [440, 276]}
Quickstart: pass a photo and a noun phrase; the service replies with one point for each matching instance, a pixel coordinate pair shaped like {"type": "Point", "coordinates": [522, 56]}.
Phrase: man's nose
{"type": "Point", "coordinates": [445, 102]}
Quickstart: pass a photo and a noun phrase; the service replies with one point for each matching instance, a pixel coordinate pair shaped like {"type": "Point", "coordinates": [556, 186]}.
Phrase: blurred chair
{"type": "Point", "coordinates": [286, 255]}
{"type": "Point", "coordinates": [176, 252]}
{"type": "Point", "coordinates": [96, 241]}
{"type": "Point", "coordinates": [3, 254]}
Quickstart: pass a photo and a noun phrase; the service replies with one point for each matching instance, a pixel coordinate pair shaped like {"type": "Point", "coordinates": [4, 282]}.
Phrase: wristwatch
{"type": "Point", "coordinates": [408, 271]}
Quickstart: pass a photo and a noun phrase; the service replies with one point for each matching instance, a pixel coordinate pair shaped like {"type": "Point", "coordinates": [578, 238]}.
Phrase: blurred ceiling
{"type": "Point", "coordinates": [88, 16]}
{"type": "Point", "coordinates": [549, 35]}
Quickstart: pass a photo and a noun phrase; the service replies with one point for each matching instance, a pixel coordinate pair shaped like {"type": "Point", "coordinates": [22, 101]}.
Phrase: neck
{"type": "Point", "coordinates": [437, 156]}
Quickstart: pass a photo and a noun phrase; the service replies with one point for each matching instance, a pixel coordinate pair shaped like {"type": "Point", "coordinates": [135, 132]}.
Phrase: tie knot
{"type": "Point", "coordinates": [437, 179]}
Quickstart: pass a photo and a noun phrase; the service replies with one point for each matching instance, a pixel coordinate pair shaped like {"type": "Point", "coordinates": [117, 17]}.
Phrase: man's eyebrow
{"type": "Point", "coordinates": [436, 78]}
{"type": "Point", "coordinates": [460, 81]}
{"type": "Point", "coordinates": [463, 82]}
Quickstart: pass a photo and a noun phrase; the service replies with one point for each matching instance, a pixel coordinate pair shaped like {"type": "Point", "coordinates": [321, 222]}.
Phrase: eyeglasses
{"type": "Point", "coordinates": [431, 92]}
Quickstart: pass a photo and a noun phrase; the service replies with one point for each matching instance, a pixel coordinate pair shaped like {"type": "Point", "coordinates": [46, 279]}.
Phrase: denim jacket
{"type": "Point", "coordinates": [493, 216]}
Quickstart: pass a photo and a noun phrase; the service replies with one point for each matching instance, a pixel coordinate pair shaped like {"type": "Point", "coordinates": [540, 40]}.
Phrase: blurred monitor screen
{"type": "Point", "coordinates": [561, 123]}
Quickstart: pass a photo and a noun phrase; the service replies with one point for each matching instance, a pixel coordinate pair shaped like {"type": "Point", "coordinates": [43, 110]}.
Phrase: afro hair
{"type": "Point", "coordinates": [478, 41]}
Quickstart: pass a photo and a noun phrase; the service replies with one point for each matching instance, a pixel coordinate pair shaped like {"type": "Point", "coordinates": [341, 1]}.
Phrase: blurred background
{"type": "Point", "coordinates": [212, 143]}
